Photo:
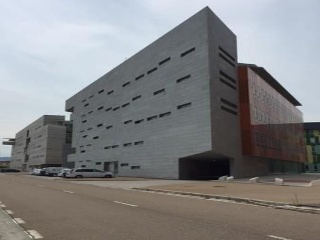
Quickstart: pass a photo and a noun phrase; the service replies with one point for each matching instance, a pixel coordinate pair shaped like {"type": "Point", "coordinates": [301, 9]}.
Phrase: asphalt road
{"type": "Point", "coordinates": [62, 210]}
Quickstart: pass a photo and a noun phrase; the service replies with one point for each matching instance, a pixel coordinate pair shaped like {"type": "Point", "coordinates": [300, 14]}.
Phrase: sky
{"type": "Point", "coordinates": [51, 49]}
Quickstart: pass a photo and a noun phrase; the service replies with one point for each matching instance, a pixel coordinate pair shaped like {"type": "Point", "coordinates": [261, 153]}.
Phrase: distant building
{"type": "Point", "coordinates": [312, 137]}
{"type": "Point", "coordinates": [173, 111]}
{"type": "Point", "coordinates": [4, 162]}
{"type": "Point", "coordinates": [45, 142]}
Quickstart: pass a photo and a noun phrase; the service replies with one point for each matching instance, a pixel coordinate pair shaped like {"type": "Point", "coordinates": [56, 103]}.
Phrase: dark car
{"type": "Point", "coordinates": [9, 170]}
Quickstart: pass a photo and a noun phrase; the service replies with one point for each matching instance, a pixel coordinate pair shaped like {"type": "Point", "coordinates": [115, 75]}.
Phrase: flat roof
{"type": "Point", "coordinates": [272, 82]}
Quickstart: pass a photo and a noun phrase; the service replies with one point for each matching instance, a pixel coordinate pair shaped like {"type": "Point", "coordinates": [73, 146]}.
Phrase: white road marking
{"type": "Point", "coordinates": [3, 206]}
{"type": "Point", "coordinates": [68, 191]}
{"type": "Point", "coordinates": [9, 212]}
{"type": "Point", "coordinates": [276, 237]}
{"type": "Point", "coordinates": [34, 234]}
{"type": "Point", "coordinates": [28, 234]}
{"type": "Point", "coordinates": [127, 204]}
{"type": "Point", "coordinates": [19, 221]}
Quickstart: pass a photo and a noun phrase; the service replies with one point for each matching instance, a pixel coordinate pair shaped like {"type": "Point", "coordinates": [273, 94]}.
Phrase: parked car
{"type": "Point", "coordinates": [64, 172]}
{"type": "Point", "coordinates": [89, 173]}
{"type": "Point", "coordinates": [52, 171]}
{"type": "Point", "coordinates": [38, 171]}
{"type": "Point", "coordinates": [9, 170]}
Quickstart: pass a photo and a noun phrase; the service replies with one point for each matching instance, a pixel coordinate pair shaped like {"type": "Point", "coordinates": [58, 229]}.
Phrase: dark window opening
{"type": "Point", "coordinates": [101, 91]}
{"type": "Point", "coordinates": [84, 121]}
{"type": "Point", "coordinates": [135, 167]}
{"type": "Point", "coordinates": [125, 84]}
{"type": "Point", "coordinates": [165, 114]}
{"type": "Point", "coordinates": [89, 145]}
{"type": "Point", "coordinates": [151, 118]}
{"type": "Point", "coordinates": [227, 76]}
{"type": "Point", "coordinates": [138, 143]}
{"type": "Point", "coordinates": [83, 151]}
{"type": "Point", "coordinates": [84, 136]}
{"type": "Point", "coordinates": [229, 110]}
{"type": "Point", "coordinates": [96, 137]}
{"type": "Point", "coordinates": [108, 109]}
{"type": "Point", "coordinates": [228, 103]}
{"type": "Point", "coordinates": [110, 92]}
{"type": "Point", "coordinates": [107, 147]}
{"type": "Point", "coordinates": [163, 91]}
{"type": "Point", "coordinates": [226, 53]}
{"type": "Point", "coordinates": [138, 121]}
{"type": "Point", "coordinates": [89, 128]}
{"type": "Point", "coordinates": [128, 121]}
{"type": "Point", "coordinates": [91, 96]}
{"type": "Point", "coordinates": [84, 100]}
{"type": "Point", "coordinates": [87, 104]}
{"type": "Point", "coordinates": [116, 108]}
{"type": "Point", "coordinates": [83, 165]}
{"type": "Point", "coordinates": [90, 112]}
{"type": "Point", "coordinates": [139, 77]}
{"type": "Point", "coordinates": [124, 164]}
{"type": "Point", "coordinates": [100, 125]}
{"type": "Point", "coordinates": [228, 84]}
{"type": "Point", "coordinates": [127, 144]}
{"type": "Point", "coordinates": [100, 108]}
{"type": "Point", "coordinates": [152, 70]}
{"type": "Point", "coordinates": [184, 105]}
{"type": "Point", "coordinates": [227, 60]}
{"type": "Point", "coordinates": [187, 52]}
{"type": "Point", "coordinates": [82, 131]}
{"type": "Point", "coordinates": [136, 98]}
{"type": "Point", "coordinates": [115, 146]}
{"type": "Point", "coordinates": [109, 127]}
{"type": "Point", "coordinates": [183, 78]}
{"type": "Point", "coordinates": [125, 105]}
{"type": "Point", "coordinates": [165, 60]}
{"type": "Point", "coordinates": [98, 163]}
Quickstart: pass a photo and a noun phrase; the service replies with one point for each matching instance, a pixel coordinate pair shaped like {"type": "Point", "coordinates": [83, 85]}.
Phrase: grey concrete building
{"type": "Point", "coordinates": [45, 142]}
{"type": "Point", "coordinates": [169, 111]}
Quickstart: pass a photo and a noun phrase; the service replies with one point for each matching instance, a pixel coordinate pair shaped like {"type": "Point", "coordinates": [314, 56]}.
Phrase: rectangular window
{"type": "Point", "coordinates": [152, 70]}
{"type": "Point", "coordinates": [115, 146]}
{"type": "Point", "coordinates": [84, 136]}
{"type": "Point", "coordinates": [101, 91]}
{"type": "Point", "coordinates": [83, 166]}
{"type": "Point", "coordinates": [164, 114]}
{"type": "Point", "coordinates": [89, 145]}
{"type": "Point", "coordinates": [100, 108]}
{"type": "Point", "coordinates": [125, 105]}
{"type": "Point", "coordinates": [82, 131]}
{"type": "Point", "coordinates": [228, 110]}
{"type": "Point", "coordinates": [183, 78]}
{"type": "Point", "coordinates": [107, 147]}
{"type": "Point", "coordinates": [152, 118]}
{"type": "Point", "coordinates": [227, 60]}
{"type": "Point", "coordinates": [127, 144]}
{"type": "Point", "coordinates": [110, 92]}
{"type": "Point", "coordinates": [161, 91]}
{"type": "Point", "coordinates": [138, 143]}
{"type": "Point", "coordinates": [86, 105]}
{"type": "Point", "coordinates": [187, 52]}
{"type": "Point", "coordinates": [135, 167]}
{"type": "Point", "coordinates": [228, 84]}
{"type": "Point", "coordinates": [116, 108]}
{"type": "Point", "coordinates": [84, 121]}
{"type": "Point", "coordinates": [90, 112]}
{"type": "Point", "coordinates": [89, 128]}
{"type": "Point", "coordinates": [124, 164]}
{"type": "Point", "coordinates": [136, 98]}
{"type": "Point", "coordinates": [100, 125]}
{"type": "Point", "coordinates": [109, 127]}
{"type": "Point", "coordinates": [83, 115]}
{"type": "Point", "coordinates": [125, 84]}
{"type": "Point", "coordinates": [139, 77]}
{"type": "Point", "coordinates": [164, 61]}
{"type": "Point", "coordinates": [84, 100]}
{"type": "Point", "coordinates": [96, 137]}
{"type": "Point", "coordinates": [230, 104]}
{"type": "Point", "coordinates": [98, 163]}
{"type": "Point", "coordinates": [138, 121]}
{"type": "Point", "coordinates": [184, 105]}
{"type": "Point", "coordinates": [91, 96]}
{"type": "Point", "coordinates": [226, 53]}
{"type": "Point", "coordinates": [83, 151]}
{"type": "Point", "coordinates": [108, 109]}
{"type": "Point", "coordinates": [127, 121]}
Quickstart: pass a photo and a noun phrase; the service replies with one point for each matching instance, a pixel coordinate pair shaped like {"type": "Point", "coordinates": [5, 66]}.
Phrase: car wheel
{"type": "Point", "coordinates": [78, 176]}
{"type": "Point", "coordinates": [108, 176]}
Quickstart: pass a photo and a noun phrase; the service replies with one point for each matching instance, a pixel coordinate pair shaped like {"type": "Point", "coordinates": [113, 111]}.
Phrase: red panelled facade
{"type": "Point", "coordinates": [271, 124]}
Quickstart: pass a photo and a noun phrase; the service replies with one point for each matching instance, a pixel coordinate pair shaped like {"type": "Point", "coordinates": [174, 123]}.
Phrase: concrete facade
{"type": "Point", "coordinates": [41, 144]}
{"type": "Point", "coordinates": [167, 112]}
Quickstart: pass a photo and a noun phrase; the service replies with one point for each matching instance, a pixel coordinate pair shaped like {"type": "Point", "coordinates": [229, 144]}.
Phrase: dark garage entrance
{"type": "Point", "coordinates": [203, 168]}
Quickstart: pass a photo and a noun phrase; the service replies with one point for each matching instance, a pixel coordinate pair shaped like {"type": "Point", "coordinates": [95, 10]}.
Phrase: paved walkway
{"type": "Point", "coordinates": [9, 230]}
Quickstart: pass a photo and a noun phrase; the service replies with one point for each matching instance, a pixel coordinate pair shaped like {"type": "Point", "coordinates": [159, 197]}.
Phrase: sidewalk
{"type": "Point", "coordinates": [9, 230]}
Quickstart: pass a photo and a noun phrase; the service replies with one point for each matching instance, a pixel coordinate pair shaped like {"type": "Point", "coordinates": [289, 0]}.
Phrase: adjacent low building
{"type": "Point", "coordinates": [44, 143]}
{"type": "Point", "coordinates": [177, 110]}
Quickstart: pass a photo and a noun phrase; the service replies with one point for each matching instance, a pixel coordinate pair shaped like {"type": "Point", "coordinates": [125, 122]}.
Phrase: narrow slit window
{"type": "Point", "coordinates": [164, 61]}
{"type": "Point", "coordinates": [101, 91]}
{"type": "Point", "coordinates": [230, 104]}
{"type": "Point", "coordinates": [138, 121]}
{"type": "Point", "coordinates": [84, 100]}
{"type": "Point", "coordinates": [228, 84]}
{"type": "Point", "coordinates": [125, 105]}
{"type": "Point", "coordinates": [139, 77]}
{"type": "Point", "coordinates": [135, 167]}
{"type": "Point", "coordinates": [107, 147]}
{"type": "Point", "coordinates": [187, 52]}
{"type": "Point", "coordinates": [139, 143]}
{"type": "Point", "coordinates": [227, 60]}
{"type": "Point", "coordinates": [126, 84]}
{"type": "Point", "coordinates": [91, 96]}
{"type": "Point", "coordinates": [152, 70]}
{"type": "Point", "coordinates": [161, 91]}
{"type": "Point", "coordinates": [89, 128]}
{"type": "Point", "coordinates": [100, 108]}
{"type": "Point", "coordinates": [164, 114]}
{"type": "Point", "coordinates": [152, 118]}
{"type": "Point", "coordinates": [124, 164]}
{"type": "Point", "coordinates": [82, 131]}
{"type": "Point", "coordinates": [227, 76]}
{"type": "Point", "coordinates": [84, 136]}
{"type": "Point", "coordinates": [136, 98]}
{"type": "Point", "coordinates": [84, 121]}
{"type": "Point", "coordinates": [109, 127]}
{"type": "Point", "coordinates": [83, 151]}
{"type": "Point", "coordinates": [116, 108]}
{"type": "Point", "coordinates": [95, 137]}
{"type": "Point", "coordinates": [226, 53]}
{"type": "Point", "coordinates": [86, 105]}
{"type": "Point", "coordinates": [127, 144]}
{"type": "Point", "coordinates": [100, 125]}
{"type": "Point", "coordinates": [127, 121]}
{"type": "Point", "coordinates": [184, 105]}
{"type": "Point", "coordinates": [115, 146]}
{"type": "Point", "coordinates": [90, 112]}
{"type": "Point", "coordinates": [229, 110]}
{"type": "Point", "coordinates": [110, 92]}
{"type": "Point", "coordinates": [108, 109]}
{"type": "Point", "coordinates": [183, 78]}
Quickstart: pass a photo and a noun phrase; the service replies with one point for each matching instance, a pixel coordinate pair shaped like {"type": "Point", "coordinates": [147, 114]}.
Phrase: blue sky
{"type": "Point", "coordinates": [51, 49]}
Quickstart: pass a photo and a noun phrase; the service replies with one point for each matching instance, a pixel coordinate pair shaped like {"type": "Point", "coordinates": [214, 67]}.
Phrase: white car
{"type": "Point", "coordinates": [63, 172]}
{"type": "Point", "coordinates": [89, 173]}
